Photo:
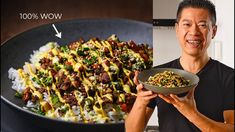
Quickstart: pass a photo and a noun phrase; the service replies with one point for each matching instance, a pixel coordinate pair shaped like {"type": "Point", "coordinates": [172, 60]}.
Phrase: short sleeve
{"type": "Point", "coordinates": [228, 93]}
{"type": "Point", "coordinates": [152, 104]}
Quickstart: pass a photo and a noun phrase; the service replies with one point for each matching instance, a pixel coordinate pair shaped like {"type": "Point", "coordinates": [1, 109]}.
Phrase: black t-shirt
{"type": "Point", "coordinates": [213, 95]}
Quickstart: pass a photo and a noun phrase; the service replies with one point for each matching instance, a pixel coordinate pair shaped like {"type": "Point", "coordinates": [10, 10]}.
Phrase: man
{"type": "Point", "coordinates": [208, 107]}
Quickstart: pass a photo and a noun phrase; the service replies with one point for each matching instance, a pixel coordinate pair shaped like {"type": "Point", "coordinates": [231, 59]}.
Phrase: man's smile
{"type": "Point", "coordinates": [194, 42]}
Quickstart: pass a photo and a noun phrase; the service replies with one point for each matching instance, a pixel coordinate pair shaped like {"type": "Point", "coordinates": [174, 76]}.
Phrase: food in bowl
{"type": "Point", "coordinates": [85, 81]}
{"type": "Point", "coordinates": [144, 76]}
{"type": "Point", "coordinates": [168, 79]}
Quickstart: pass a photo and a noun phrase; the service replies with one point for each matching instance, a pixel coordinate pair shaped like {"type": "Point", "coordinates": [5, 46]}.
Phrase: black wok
{"type": "Point", "coordinates": [17, 50]}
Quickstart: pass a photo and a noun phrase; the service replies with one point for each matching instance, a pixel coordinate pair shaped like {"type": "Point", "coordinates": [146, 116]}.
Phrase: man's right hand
{"type": "Point", "coordinates": [143, 96]}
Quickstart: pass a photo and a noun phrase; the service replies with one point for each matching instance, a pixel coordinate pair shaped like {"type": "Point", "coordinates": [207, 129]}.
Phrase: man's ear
{"type": "Point", "coordinates": [214, 30]}
{"type": "Point", "coordinates": [176, 28]}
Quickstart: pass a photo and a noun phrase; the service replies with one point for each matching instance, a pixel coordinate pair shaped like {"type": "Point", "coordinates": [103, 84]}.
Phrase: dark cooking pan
{"type": "Point", "coordinates": [17, 50]}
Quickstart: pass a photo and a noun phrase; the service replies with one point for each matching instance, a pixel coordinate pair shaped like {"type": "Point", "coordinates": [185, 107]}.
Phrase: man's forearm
{"type": "Point", "coordinates": [136, 121]}
{"type": "Point", "coordinates": [206, 124]}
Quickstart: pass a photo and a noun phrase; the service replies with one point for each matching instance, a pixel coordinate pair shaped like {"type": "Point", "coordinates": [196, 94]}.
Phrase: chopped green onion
{"type": "Point", "coordinates": [68, 67]}
{"type": "Point", "coordinates": [47, 80]}
{"type": "Point", "coordinates": [36, 80]}
{"type": "Point", "coordinates": [18, 95]}
{"type": "Point", "coordinates": [85, 49]}
{"type": "Point", "coordinates": [64, 49]}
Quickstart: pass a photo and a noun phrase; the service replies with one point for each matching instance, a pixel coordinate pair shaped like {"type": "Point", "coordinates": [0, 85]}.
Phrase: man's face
{"type": "Point", "coordinates": [195, 31]}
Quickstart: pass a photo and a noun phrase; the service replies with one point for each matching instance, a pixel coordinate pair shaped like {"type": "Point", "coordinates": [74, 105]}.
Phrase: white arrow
{"type": "Point", "coordinates": [58, 34]}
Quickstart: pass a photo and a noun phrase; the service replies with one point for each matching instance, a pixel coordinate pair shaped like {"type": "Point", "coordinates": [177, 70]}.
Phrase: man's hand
{"type": "Point", "coordinates": [143, 96]}
{"type": "Point", "coordinates": [185, 105]}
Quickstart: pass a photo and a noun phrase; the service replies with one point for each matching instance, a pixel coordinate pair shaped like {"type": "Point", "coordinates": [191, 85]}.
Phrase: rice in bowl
{"type": "Point", "coordinates": [85, 81]}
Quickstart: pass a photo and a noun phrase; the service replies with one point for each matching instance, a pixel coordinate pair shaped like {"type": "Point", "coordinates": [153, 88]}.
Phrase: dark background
{"type": "Point", "coordinates": [11, 24]}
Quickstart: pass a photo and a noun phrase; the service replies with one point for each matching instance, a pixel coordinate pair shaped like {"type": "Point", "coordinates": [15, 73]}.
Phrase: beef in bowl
{"type": "Point", "coordinates": [85, 81]}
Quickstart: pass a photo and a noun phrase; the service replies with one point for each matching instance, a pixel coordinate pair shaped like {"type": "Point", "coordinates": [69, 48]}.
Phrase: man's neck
{"type": "Point", "coordinates": [193, 64]}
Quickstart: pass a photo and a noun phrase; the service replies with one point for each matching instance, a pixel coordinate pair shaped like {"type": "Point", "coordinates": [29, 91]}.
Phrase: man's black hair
{"type": "Point", "coordinates": [205, 4]}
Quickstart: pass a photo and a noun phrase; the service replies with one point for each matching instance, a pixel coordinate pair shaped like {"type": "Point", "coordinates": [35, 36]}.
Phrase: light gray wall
{"type": "Point", "coordinates": [165, 44]}
{"type": "Point", "coordinates": [225, 34]}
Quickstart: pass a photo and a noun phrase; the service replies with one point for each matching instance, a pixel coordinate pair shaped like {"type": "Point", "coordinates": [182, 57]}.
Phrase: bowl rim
{"type": "Point", "coordinates": [169, 88]}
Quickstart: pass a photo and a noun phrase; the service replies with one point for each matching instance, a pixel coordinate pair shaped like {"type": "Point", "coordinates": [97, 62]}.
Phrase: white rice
{"type": "Point", "coordinates": [114, 116]}
{"type": "Point", "coordinates": [30, 104]}
{"type": "Point", "coordinates": [18, 83]}
{"type": "Point", "coordinates": [76, 110]}
{"type": "Point", "coordinates": [55, 60]}
{"type": "Point", "coordinates": [27, 70]}
{"type": "Point", "coordinates": [87, 115]}
{"type": "Point", "coordinates": [45, 97]}
{"type": "Point", "coordinates": [37, 55]}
